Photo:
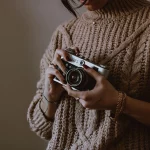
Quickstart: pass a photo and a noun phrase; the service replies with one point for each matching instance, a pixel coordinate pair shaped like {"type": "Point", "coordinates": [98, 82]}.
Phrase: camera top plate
{"type": "Point", "coordinates": [79, 62]}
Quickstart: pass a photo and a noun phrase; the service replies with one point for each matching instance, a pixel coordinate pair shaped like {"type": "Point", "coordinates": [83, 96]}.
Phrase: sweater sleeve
{"type": "Point", "coordinates": [37, 121]}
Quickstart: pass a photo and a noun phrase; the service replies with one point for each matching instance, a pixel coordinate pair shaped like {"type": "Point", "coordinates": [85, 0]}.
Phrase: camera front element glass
{"type": "Point", "coordinates": [74, 77]}
{"type": "Point", "coordinates": [79, 79]}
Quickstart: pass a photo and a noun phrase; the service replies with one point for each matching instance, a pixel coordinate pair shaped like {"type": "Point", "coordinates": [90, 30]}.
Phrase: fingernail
{"type": "Point", "coordinates": [56, 67]}
{"type": "Point", "coordinates": [68, 58]}
{"type": "Point", "coordinates": [86, 67]}
{"type": "Point", "coordinates": [64, 81]}
{"type": "Point", "coordinates": [64, 87]}
{"type": "Point", "coordinates": [77, 51]}
{"type": "Point", "coordinates": [66, 71]}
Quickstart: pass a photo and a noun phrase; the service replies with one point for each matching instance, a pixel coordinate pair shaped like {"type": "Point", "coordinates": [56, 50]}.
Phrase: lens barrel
{"type": "Point", "coordinates": [79, 79]}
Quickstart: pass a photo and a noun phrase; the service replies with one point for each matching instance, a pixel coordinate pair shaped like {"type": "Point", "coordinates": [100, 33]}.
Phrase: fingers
{"type": "Point", "coordinates": [59, 54]}
{"type": "Point", "coordinates": [62, 53]}
{"type": "Point", "coordinates": [96, 75]}
{"type": "Point", "coordinates": [85, 95]}
{"type": "Point", "coordinates": [60, 64]}
{"type": "Point", "coordinates": [84, 103]}
{"type": "Point", "coordinates": [52, 72]}
{"type": "Point", "coordinates": [58, 61]}
{"type": "Point", "coordinates": [77, 51]}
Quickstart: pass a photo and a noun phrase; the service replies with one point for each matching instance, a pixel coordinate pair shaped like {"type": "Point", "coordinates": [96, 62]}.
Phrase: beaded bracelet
{"type": "Point", "coordinates": [119, 109]}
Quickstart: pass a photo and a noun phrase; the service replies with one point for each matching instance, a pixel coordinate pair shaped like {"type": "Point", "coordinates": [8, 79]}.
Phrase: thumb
{"type": "Point", "coordinates": [92, 72]}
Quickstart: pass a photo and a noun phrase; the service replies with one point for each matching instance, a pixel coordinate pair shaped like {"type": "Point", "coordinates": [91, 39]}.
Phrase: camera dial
{"type": "Point", "coordinates": [82, 62]}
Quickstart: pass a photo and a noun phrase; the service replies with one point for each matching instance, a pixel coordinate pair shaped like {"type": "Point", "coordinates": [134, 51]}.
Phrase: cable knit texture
{"type": "Point", "coordinates": [118, 36]}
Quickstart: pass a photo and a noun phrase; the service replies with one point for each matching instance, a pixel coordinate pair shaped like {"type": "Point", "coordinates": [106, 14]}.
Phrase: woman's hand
{"type": "Point", "coordinates": [103, 96]}
{"type": "Point", "coordinates": [53, 90]}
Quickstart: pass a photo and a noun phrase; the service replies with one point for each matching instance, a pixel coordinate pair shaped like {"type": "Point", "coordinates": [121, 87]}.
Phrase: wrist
{"type": "Point", "coordinates": [129, 101]}
{"type": "Point", "coordinates": [48, 108]}
{"type": "Point", "coordinates": [49, 101]}
{"type": "Point", "coordinates": [51, 96]}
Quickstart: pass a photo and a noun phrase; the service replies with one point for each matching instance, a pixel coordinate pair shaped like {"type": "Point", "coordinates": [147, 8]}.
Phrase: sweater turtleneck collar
{"type": "Point", "coordinates": [115, 9]}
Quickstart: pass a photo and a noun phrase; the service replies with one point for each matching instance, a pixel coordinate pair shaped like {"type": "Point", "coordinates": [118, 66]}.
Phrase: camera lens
{"type": "Point", "coordinates": [79, 79]}
{"type": "Point", "coordinates": [74, 77]}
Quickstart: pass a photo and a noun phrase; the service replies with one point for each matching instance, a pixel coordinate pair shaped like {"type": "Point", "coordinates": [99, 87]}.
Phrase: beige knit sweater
{"type": "Point", "coordinates": [118, 36]}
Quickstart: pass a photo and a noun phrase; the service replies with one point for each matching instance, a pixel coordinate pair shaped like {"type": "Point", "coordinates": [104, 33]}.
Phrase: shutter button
{"type": "Point", "coordinates": [82, 62]}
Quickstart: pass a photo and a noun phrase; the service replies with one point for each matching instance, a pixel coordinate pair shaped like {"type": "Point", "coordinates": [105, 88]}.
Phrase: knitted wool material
{"type": "Point", "coordinates": [118, 36]}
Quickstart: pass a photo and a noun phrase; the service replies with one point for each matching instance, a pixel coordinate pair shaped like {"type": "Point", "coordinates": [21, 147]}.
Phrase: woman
{"type": "Point", "coordinates": [115, 114]}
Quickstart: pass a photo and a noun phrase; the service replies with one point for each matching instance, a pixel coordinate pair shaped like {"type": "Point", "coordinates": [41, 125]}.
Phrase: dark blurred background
{"type": "Point", "coordinates": [25, 31]}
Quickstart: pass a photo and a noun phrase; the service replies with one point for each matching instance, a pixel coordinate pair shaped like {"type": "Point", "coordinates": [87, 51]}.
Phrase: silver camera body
{"type": "Point", "coordinates": [76, 76]}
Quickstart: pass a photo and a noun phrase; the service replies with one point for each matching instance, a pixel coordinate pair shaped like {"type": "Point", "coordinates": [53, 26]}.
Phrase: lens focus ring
{"type": "Point", "coordinates": [74, 77]}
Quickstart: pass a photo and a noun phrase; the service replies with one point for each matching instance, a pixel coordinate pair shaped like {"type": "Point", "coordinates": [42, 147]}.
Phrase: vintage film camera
{"type": "Point", "coordinates": [75, 75]}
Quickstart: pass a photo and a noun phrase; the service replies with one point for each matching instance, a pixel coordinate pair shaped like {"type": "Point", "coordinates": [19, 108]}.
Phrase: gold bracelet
{"type": "Point", "coordinates": [120, 104]}
{"type": "Point", "coordinates": [123, 103]}
{"type": "Point", "coordinates": [119, 109]}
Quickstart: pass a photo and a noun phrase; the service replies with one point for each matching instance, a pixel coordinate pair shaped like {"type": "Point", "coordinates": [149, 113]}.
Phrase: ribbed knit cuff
{"type": "Point", "coordinates": [38, 122]}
